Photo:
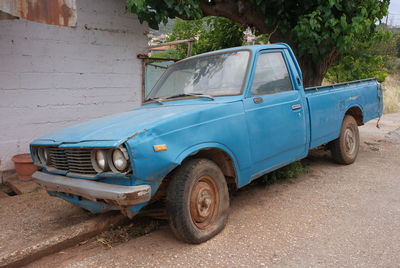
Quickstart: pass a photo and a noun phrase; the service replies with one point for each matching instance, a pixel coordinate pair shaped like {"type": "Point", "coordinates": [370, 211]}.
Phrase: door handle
{"type": "Point", "coordinates": [258, 100]}
{"type": "Point", "coordinates": [296, 106]}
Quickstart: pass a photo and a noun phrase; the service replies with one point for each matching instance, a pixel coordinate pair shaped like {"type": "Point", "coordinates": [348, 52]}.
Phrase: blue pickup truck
{"type": "Point", "coordinates": [213, 122]}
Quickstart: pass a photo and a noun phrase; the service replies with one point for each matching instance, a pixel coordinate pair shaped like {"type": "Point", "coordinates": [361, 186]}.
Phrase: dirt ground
{"type": "Point", "coordinates": [335, 216]}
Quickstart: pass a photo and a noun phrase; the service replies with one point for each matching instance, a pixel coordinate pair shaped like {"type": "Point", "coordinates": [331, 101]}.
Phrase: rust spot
{"type": "Point", "coordinates": [136, 195]}
{"type": "Point", "coordinates": [55, 12]}
{"type": "Point", "coordinates": [66, 13]}
{"type": "Point", "coordinates": [132, 136]}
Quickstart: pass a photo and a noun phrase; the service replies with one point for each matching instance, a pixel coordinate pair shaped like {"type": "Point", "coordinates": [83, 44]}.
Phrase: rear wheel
{"type": "Point", "coordinates": [197, 201]}
{"type": "Point", "coordinates": [345, 148]}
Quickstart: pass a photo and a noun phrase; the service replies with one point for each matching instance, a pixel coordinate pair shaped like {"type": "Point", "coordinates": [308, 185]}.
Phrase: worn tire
{"type": "Point", "coordinates": [197, 201]}
{"type": "Point", "coordinates": [345, 148]}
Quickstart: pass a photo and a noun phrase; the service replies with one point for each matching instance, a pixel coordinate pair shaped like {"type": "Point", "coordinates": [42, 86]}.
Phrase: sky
{"type": "Point", "coordinates": [394, 13]}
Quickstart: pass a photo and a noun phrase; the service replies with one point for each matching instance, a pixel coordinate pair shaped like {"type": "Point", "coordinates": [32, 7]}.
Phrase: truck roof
{"type": "Point", "coordinates": [253, 48]}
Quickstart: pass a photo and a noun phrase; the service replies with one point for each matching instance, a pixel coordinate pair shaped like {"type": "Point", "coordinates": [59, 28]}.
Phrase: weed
{"type": "Point", "coordinates": [391, 94]}
{"type": "Point", "coordinates": [146, 227]}
{"type": "Point", "coordinates": [121, 234]}
{"type": "Point", "coordinates": [288, 173]}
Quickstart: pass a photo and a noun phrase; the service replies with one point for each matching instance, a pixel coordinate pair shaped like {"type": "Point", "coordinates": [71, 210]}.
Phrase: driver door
{"type": "Point", "coordinates": [274, 114]}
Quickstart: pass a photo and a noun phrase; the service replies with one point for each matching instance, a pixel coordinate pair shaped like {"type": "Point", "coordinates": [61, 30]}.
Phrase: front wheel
{"type": "Point", "coordinates": [345, 148]}
{"type": "Point", "coordinates": [197, 201]}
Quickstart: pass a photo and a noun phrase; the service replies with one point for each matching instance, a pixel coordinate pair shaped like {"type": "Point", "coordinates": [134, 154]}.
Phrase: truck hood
{"type": "Point", "coordinates": [117, 128]}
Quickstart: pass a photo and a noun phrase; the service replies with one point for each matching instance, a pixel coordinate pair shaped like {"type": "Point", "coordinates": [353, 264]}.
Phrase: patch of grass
{"type": "Point", "coordinates": [145, 228]}
{"type": "Point", "coordinates": [121, 234]}
{"type": "Point", "coordinates": [391, 94]}
{"type": "Point", "coordinates": [286, 173]}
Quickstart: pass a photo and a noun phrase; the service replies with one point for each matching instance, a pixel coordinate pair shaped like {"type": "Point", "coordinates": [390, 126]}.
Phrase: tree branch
{"type": "Point", "coordinates": [244, 13]}
{"type": "Point", "coordinates": [239, 11]}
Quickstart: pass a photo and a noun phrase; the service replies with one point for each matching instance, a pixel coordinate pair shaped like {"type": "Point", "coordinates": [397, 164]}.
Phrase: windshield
{"type": "Point", "coordinates": [213, 75]}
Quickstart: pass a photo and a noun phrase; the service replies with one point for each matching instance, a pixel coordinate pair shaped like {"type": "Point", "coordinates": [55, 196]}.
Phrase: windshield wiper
{"type": "Point", "coordinates": [199, 95]}
{"type": "Point", "coordinates": [158, 100]}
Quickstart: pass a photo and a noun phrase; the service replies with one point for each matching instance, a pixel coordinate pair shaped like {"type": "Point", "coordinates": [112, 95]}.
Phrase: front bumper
{"type": "Point", "coordinates": [96, 191]}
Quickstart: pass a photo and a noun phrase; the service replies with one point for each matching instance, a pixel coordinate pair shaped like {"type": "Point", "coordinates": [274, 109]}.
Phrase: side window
{"type": "Point", "coordinates": [271, 75]}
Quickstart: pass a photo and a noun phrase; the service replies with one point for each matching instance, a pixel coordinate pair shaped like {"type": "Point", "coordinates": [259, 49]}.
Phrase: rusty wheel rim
{"type": "Point", "coordinates": [204, 200]}
{"type": "Point", "coordinates": [350, 141]}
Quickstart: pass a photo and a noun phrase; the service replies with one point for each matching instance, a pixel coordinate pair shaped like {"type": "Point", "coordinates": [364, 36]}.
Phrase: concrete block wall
{"type": "Point", "coordinates": [52, 76]}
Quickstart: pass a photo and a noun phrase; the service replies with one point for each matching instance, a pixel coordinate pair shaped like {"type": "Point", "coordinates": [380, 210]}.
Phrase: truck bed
{"type": "Point", "coordinates": [329, 104]}
{"type": "Point", "coordinates": [338, 85]}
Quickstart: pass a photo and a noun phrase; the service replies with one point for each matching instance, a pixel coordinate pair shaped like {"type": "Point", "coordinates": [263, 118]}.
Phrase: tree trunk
{"type": "Point", "coordinates": [314, 71]}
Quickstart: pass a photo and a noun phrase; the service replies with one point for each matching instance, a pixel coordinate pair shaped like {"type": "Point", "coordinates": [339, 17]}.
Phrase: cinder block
{"type": "Point", "coordinates": [36, 81]}
{"type": "Point", "coordinates": [6, 45]}
{"type": "Point", "coordinates": [23, 187]}
{"type": "Point", "coordinates": [9, 80]}
{"type": "Point", "coordinates": [15, 64]}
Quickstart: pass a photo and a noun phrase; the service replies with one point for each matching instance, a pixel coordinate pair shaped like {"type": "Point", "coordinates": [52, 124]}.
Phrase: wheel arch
{"type": "Point", "coordinates": [220, 154]}
{"type": "Point", "coordinates": [217, 153]}
{"type": "Point", "coordinates": [357, 112]}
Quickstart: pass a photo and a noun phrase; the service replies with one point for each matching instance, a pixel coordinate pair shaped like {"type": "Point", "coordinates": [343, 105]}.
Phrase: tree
{"type": "Point", "coordinates": [366, 59]}
{"type": "Point", "coordinates": [398, 45]}
{"type": "Point", "coordinates": [212, 33]}
{"type": "Point", "coordinates": [317, 30]}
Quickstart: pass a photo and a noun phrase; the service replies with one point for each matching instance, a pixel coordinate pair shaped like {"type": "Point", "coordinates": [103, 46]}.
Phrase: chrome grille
{"type": "Point", "coordinates": [71, 160]}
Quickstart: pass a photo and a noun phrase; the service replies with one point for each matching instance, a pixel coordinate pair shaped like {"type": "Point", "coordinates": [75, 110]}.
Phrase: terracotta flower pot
{"type": "Point", "coordinates": [24, 166]}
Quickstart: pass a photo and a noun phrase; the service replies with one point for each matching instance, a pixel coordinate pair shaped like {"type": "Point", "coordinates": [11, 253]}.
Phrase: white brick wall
{"type": "Point", "coordinates": [52, 77]}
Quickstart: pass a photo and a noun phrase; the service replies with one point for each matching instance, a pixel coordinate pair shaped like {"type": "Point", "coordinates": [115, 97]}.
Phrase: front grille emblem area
{"type": "Point", "coordinates": [70, 160]}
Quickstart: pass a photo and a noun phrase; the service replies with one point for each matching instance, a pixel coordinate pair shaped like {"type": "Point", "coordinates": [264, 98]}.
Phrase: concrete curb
{"type": "Point", "coordinates": [64, 239]}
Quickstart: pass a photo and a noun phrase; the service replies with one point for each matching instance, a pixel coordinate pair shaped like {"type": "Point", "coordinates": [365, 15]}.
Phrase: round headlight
{"type": "Point", "coordinates": [99, 160]}
{"type": "Point", "coordinates": [42, 155]}
{"type": "Point", "coordinates": [119, 160]}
